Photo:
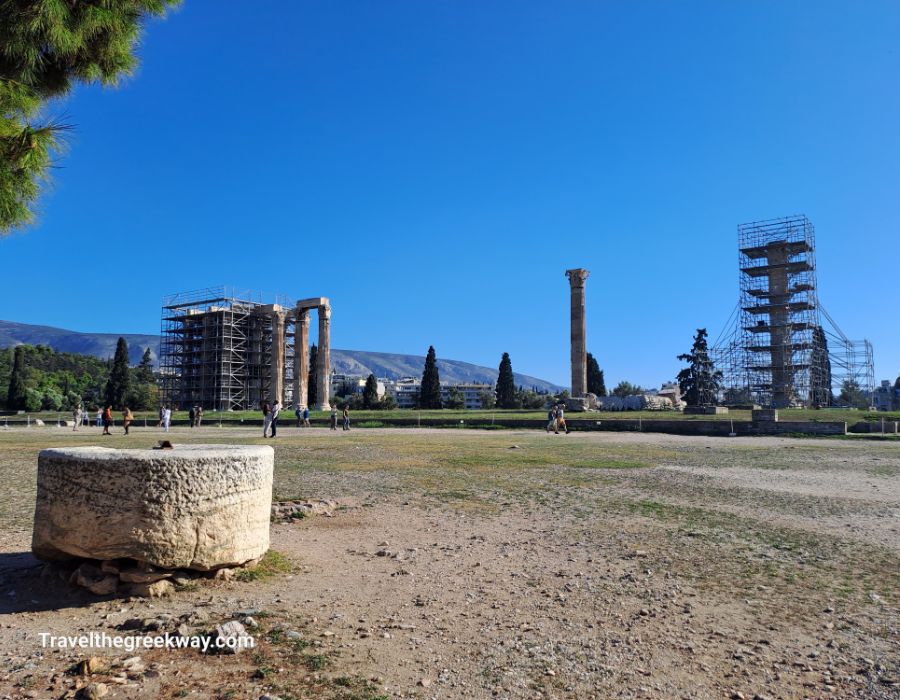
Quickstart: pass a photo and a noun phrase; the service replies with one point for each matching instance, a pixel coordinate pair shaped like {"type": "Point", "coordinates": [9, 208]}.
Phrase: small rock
{"type": "Point", "coordinates": [234, 637]}
{"type": "Point", "coordinates": [151, 590]}
{"type": "Point", "coordinates": [94, 691]}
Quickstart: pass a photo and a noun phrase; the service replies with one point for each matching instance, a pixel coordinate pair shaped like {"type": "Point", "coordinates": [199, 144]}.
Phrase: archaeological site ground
{"type": "Point", "coordinates": [501, 564]}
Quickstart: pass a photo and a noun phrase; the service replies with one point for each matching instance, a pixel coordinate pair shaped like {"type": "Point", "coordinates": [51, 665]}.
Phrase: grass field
{"type": "Point", "coordinates": [287, 417]}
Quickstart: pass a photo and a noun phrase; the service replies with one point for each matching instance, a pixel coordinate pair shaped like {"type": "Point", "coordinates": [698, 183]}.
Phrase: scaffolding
{"type": "Point", "coordinates": [216, 347]}
{"type": "Point", "coordinates": [780, 347]}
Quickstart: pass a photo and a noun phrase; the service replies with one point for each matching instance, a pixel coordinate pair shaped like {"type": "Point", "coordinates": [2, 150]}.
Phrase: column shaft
{"type": "Point", "coordinates": [578, 332]}
{"type": "Point", "coordinates": [276, 364]}
{"type": "Point", "coordinates": [323, 364]}
{"type": "Point", "coordinates": [301, 358]}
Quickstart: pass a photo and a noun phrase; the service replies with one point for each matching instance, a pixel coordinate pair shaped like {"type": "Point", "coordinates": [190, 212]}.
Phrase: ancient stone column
{"type": "Point", "coordinates": [578, 332]}
{"type": "Point", "coordinates": [276, 363]}
{"type": "Point", "coordinates": [301, 358]}
{"type": "Point", "coordinates": [323, 360]}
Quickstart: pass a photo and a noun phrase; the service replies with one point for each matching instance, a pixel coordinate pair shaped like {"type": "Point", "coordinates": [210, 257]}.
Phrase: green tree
{"type": "Point", "coordinates": [596, 384]}
{"type": "Point", "coordinates": [118, 384]}
{"type": "Point", "coordinates": [47, 47]}
{"type": "Point", "coordinates": [455, 399]}
{"type": "Point", "coordinates": [430, 393]}
{"type": "Point", "coordinates": [16, 395]}
{"type": "Point", "coordinates": [370, 393]}
{"type": "Point", "coordinates": [143, 373]}
{"type": "Point", "coordinates": [488, 399]}
{"type": "Point", "coordinates": [625, 388]}
{"type": "Point", "coordinates": [852, 395]}
{"type": "Point", "coordinates": [506, 386]}
{"type": "Point", "coordinates": [699, 381]}
{"type": "Point", "coordinates": [312, 382]}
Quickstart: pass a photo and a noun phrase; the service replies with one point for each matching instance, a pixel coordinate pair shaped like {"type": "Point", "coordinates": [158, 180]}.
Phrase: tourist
{"type": "Point", "coordinates": [267, 417]}
{"type": "Point", "coordinates": [551, 419]}
{"type": "Point", "coordinates": [107, 420]}
{"type": "Point", "coordinates": [299, 413]}
{"type": "Point", "coordinates": [162, 415]}
{"type": "Point", "coordinates": [99, 416]}
{"type": "Point", "coordinates": [334, 418]}
{"type": "Point", "coordinates": [306, 417]}
{"type": "Point", "coordinates": [191, 414]}
{"type": "Point", "coordinates": [127, 417]}
{"type": "Point", "coordinates": [198, 415]}
{"type": "Point", "coordinates": [561, 419]}
{"type": "Point", "coordinates": [346, 417]}
{"type": "Point", "coordinates": [76, 416]}
{"type": "Point", "coordinates": [166, 418]}
{"type": "Point", "coordinates": [276, 409]}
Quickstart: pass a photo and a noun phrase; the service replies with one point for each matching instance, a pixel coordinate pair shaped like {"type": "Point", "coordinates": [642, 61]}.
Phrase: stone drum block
{"type": "Point", "coordinates": [194, 507]}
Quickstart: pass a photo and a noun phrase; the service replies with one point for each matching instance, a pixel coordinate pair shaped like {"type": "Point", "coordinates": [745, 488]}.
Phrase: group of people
{"type": "Point", "coordinates": [195, 416]}
{"type": "Point", "coordinates": [345, 418]}
{"type": "Point", "coordinates": [556, 419]}
{"type": "Point", "coordinates": [270, 417]}
{"type": "Point", "coordinates": [104, 418]}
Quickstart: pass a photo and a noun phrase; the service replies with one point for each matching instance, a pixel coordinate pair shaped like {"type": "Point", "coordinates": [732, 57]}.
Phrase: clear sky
{"type": "Point", "coordinates": [434, 167]}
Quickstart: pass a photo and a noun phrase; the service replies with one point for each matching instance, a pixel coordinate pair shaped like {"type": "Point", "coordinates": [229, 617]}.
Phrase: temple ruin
{"type": "Point", "coordinates": [578, 332]}
{"type": "Point", "coordinates": [227, 350]}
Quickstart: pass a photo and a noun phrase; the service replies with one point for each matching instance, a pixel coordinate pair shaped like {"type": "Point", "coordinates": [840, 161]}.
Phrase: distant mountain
{"type": "Point", "coordinates": [101, 345]}
{"type": "Point", "coordinates": [355, 362]}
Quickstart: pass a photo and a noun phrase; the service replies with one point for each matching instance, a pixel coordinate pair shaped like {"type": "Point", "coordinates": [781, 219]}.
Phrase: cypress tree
{"type": "Point", "coordinates": [506, 387]}
{"type": "Point", "coordinates": [16, 396]}
{"type": "Point", "coordinates": [144, 372]}
{"type": "Point", "coordinates": [699, 382]}
{"type": "Point", "coordinates": [370, 393]}
{"type": "Point", "coordinates": [430, 394]}
{"type": "Point", "coordinates": [596, 384]}
{"type": "Point", "coordinates": [312, 383]}
{"type": "Point", "coordinates": [117, 385]}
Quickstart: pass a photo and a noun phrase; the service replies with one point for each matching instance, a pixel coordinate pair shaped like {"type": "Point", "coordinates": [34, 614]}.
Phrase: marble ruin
{"type": "Point", "coordinates": [224, 351]}
{"type": "Point", "coordinates": [578, 333]}
{"type": "Point", "coordinates": [133, 518]}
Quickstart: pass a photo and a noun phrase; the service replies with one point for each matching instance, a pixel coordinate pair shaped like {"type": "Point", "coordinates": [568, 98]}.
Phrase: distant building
{"type": "Point", "coordinates": [348, 385]}
{"type": "Point", "coordinates": [405, 392]}
{"type": "Point", "coordinates": [887, 396]}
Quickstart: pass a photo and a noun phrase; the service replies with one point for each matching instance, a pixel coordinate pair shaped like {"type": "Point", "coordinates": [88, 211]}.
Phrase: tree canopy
{"type": "Point", "coordinates": [46, 47]}
{"type": "Point", "coordinates": [596, 384]}
{"type": "Point", "coordinates": [119, 381]}
{"type": "Point", "coordinates": [699, 381]}
{"type": "Point", "coordinates": [370, 393]}
{"type": "Point", "coordinates": [430, 393]}
{"type": "Point", "coordinates": [506, 385]}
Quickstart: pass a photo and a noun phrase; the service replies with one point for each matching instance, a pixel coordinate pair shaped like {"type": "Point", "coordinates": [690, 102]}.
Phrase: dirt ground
{"type": "Point", "coordinates": [508, 564]}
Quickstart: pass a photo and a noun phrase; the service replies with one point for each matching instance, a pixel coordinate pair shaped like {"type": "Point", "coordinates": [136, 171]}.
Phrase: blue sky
{"type": "Point", "coordinates": [434, 167]}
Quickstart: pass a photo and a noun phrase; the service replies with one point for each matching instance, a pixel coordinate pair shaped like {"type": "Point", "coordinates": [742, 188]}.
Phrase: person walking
{"type": "Point", "coordinates": [162, 411]}
{"type": "Point", "coordinates": [276, 409]}
{"type": "Point", "coordinates": [127, 417]}
{"type": "Point", "coordinates": [334, 418]}
{"type": "Point", "coordinates": [561, 419]}
{"type": "Point", "coordinates": [267, 417]}
{"type": "Point", "coordinates": [76, 416]}
{"type": "Point", "coordinates": [191, 414]}
{"type": "Point", "coordinates": [166, 418]}
{"type": "Point", "coordinates": [306, 417]}
{"type": "Point", "coordinates": [99, 416]}
{"type": "Point", "coordinates": [107, 420]}
{"type": "Point", "coordinates": [299, 413]}
{"type": "Point", "coordinates": [551, 419]}
{"type": "Point", "coordinates": [346, 417]}
{"type": "Point", "coordinates": [198, 415]}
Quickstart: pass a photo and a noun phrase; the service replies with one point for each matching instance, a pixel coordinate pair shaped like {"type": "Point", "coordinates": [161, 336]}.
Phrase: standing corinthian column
{"type": "Point", "coordinates": [323, 364]}
{"type": "Point", "coordinates": [578, 332]}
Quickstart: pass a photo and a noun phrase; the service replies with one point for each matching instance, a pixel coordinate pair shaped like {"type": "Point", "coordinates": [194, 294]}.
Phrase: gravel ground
{"type": "Point", "coordinates": [508, 564]}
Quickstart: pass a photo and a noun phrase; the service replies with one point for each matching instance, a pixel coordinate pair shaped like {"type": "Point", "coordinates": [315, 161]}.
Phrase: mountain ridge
{"type": "Point", "coordinates": [386, 365]}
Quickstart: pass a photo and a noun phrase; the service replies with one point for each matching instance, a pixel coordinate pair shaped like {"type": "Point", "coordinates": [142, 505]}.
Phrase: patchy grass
{"type": "Point", "coordinates": [271, 564]}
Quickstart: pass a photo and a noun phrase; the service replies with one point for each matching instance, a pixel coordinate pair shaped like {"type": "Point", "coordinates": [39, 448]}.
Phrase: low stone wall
{"type": "Point", "coordinates": [889, 427]}
{"type": "Point", "coordinates": [196, 507]}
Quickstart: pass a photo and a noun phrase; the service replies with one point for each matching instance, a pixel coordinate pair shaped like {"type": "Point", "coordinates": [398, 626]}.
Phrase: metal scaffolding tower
{"type": "Point", "coordinates": [215, 349]}
{"type": "Point", "coordinates": [780, 348]}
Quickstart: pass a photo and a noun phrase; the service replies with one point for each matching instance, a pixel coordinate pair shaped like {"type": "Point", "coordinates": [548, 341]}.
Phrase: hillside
{"type": "Point", "coordinates": [356, 362]}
